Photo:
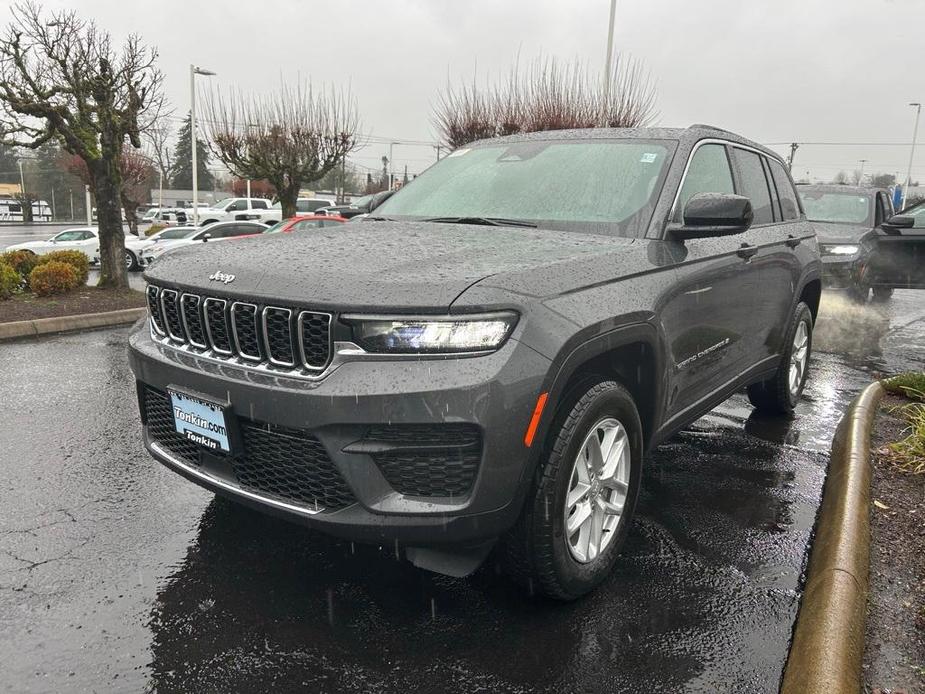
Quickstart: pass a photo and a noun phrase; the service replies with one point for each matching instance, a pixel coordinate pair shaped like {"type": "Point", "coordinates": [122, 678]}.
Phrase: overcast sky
{"type": "Point", "coordinates": [774, 71]}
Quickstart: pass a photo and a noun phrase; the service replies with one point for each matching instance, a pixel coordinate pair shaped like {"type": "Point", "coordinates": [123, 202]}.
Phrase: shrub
{"type": "Point", "coordinates": [53, 277]}
{"type": "Point", "coordinates": [75, 259]}
{"type": "Point", "coordinates": [154, 228]}
{"type": "Point", "coordinates": [10, 281]}
{"type": "Point", "coordinates": [21, 261]}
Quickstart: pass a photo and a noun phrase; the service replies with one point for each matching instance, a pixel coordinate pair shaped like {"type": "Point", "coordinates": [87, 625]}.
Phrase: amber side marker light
{"type": "Point", "coordinates": [535, 419]}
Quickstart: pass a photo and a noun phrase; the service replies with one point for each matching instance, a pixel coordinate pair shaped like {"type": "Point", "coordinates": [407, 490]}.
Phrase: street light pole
{"type": "Point", "coordinates": [391, 167]}
{"type": "Point", "coordinates": [608, 63]}
{"type": "Point", "coordinates": [861, 172]}
{"type": "Point", "coordinates": [915, 134]}
{"type": "Point", "coordinates": [193, 71]}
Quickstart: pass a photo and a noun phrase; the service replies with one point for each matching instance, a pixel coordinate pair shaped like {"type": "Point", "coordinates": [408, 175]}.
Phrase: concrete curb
{"type": "Point", "coordinates": [60, 324]}
{"type": "Point", "coordinates": [828, 641]}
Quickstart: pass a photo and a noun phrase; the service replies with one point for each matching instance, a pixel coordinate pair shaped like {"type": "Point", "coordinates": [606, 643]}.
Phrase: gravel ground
{"type": "Point", "coordinates": [894, 659]}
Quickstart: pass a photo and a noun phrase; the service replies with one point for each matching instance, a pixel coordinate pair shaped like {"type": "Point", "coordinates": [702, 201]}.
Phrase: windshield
{"type": "Point", "coordinates": [176, 233]}
{"type": "Point", "coordinates": [602, 186]}
{"type": "Point", "coordinates": [223, 203]}
{"type": "Point", "coordinates": [360, 202]}
{"type": "Point", "coordinates": [276, 228]}
{"type": "Point", "coordinates": [845, 208]}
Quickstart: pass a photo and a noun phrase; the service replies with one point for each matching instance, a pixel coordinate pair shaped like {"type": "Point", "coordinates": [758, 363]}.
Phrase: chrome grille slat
{"type": "Point", "coordinates": [263, 337]}
{"type": "Point", "coordinates": [277, 335]}
{"type": "Point", "coordinates": [246, 331]}
{"type": "Point", "coordinates": [217, 332]}
{"type": "Point", "coordinates": [154, 309]}
{"type": "Point", "coordinates": [191, 314]}
{"type": "Point", "coordinates": [315, 339]}
{"type": "Point", "coordinates": [170, 310]}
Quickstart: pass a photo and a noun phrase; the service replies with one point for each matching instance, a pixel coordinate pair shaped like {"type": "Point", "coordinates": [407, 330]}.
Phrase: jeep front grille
{"type": "Point", "coordinates": [278, 337]}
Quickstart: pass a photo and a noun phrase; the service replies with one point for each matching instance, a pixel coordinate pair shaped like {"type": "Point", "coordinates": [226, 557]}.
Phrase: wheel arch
{"type": "Point", "coordinates": [631, 355]}
{"type": "Point", "coordinates": [810, 294]}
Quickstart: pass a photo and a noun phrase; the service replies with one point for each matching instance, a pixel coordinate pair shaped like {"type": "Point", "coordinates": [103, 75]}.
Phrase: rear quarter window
{"type": "Point", "coordinates": [790, 207]}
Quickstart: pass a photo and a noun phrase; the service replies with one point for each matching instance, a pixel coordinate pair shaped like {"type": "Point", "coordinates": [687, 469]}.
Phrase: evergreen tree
{"type": "Point", "coordinates": [9, 164]}
{"type": "Point", "coordinates": [181, 171]}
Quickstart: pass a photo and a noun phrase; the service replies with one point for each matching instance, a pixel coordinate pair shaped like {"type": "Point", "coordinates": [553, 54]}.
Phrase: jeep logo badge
{"type": "Point", "coordinates": [220, 276]}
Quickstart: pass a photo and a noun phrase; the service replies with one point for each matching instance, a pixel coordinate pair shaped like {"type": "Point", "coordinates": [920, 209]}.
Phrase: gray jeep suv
{"type": "Point", "coordinates": [485, 362]}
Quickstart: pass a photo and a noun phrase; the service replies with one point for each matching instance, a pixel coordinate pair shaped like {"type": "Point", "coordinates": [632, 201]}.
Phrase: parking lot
{"type": "Point", "coordinates": [116, 574]}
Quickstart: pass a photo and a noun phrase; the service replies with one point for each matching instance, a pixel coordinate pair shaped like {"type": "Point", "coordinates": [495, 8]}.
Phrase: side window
{"type": "Point", "coordinates": [772, 188]}
{"type": "Point", "coordinates": [214, 231]}
{"type": "Point", "coordinates": [788, 196]}
{"type": "Point", "coordinates": [754, 184]}
{"type": "Point", "coordinates": [88, 235]}
{"type": "Point", "coordinates": [245, 229]}
{"type": "Point", "coordinates": [237, 206]}
{"type": "Point", "coordinates": [708, 172]}
{"type": "Point", "coordinates": [259, 204]}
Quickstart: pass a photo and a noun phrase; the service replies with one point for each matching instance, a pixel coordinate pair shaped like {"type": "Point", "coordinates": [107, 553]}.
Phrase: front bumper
{"type": "Point", "coordinates": [493, 394]}
{"type": "Point", "coordinates": [843, 272]}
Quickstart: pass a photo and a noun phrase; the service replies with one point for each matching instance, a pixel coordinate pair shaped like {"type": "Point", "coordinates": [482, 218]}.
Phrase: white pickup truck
{"type": "Point", "coordinates": [236, 209]}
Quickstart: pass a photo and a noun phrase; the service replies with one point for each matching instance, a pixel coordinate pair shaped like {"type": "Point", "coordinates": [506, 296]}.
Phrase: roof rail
{"type": "Point", "coordinates": [707, 126]}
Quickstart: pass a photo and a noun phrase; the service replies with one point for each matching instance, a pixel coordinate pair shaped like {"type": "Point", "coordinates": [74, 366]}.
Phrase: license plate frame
{"type": "Point", "coordinates": [202, 420]}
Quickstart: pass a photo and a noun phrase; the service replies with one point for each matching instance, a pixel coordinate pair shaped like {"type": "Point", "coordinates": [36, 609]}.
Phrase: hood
{"type": "Point", "coordinates": [833, 232]}
{"type": "Point", "coordinates": [368, 266]}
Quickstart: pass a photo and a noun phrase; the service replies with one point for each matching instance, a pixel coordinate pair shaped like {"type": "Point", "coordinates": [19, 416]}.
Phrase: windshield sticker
{"type": "Point", "coordinates": [458, 152]}
{"type": "Point", "coordinates": [648, 158]}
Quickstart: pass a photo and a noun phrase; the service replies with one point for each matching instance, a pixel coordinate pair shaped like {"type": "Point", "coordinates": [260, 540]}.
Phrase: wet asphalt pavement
{"type": "Point", "coordinates": [116, 574]}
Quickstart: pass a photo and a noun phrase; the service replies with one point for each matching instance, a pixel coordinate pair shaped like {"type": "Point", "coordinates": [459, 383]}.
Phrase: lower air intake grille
{"type": "Point", "coordinates": [284, 464]}
{"type": "Point", "coordinates": [428, 460]}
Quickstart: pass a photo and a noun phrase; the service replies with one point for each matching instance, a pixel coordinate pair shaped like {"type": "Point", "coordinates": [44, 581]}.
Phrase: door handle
{"type": "Point", "coordinates": [792, 241]}
{"type": "Point", "coordinates": [746, 251]}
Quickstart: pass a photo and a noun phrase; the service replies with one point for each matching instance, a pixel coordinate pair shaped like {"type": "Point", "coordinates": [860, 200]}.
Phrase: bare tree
{"type": "Point", "coordinates": [62, 79]}
{"type": "Point", "coordinates": [158, 137]}
{"type": "Point", "coordinates": [549, 95]}
{"type": "Point", "coordinates": [841, 178]}
{"type": "Point", "coordinates": [135, 171]}
{"type": "Point", "coordinates": [289, 138]}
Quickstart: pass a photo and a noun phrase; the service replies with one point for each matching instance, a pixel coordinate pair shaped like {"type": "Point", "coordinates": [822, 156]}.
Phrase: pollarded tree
{"type": "Point", "coordinates": [61, 79]}
{"type": "Point", "coordinates": [549, 95]}
{"type": "Point", "coordinates": [137, 174]}
{"type": "Point", "coordinates": [289, 138]}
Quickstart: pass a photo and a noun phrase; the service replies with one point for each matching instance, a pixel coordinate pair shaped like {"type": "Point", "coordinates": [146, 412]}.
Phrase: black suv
{"type": "Point", "coordinates": [485, 362]}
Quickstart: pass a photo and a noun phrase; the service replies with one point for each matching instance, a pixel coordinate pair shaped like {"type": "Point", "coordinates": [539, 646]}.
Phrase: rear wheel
{"type": "Point", "coordinates": [576, 519]}
{"type": "Point", "coordinates": [883, 293]}
{"type": "Point", "coordinates": [780, 393]}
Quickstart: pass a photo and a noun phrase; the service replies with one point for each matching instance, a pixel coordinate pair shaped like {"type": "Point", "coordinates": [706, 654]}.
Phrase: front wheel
{"type": "Point", "coordinates": [131, 262]}
{"type": "Point", "coordinates": [576, 519]}
{"type": "Point", "coordinates": [780, 393]}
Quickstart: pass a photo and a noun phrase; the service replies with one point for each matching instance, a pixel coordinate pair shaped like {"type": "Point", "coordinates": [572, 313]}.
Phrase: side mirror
{"type": "Point", "coordinates": [206, 237]}
{"type": "Point", "coordinates": [715, 214]}
{"type": "Point", "coordinates": [897, 222]}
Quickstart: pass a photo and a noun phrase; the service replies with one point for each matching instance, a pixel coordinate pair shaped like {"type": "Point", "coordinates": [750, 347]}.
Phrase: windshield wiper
{"type": "Point", "coordinates": [486, 221]}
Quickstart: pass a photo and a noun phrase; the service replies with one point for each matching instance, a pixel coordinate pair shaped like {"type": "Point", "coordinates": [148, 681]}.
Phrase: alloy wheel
{"type": "Point", "coordinates": [597, 490]}
{"type": "Point", "coordinates": [799, 354]}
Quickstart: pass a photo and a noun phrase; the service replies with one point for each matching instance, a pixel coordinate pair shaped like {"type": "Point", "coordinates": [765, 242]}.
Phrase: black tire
{"type": "Point", "coordinates": [131, 262]}
{"type": "Point", "coordinates": [883, 293]}
{"type": "Point", "coordinates": [775, 396]}
{"type": "Point", "coordinates": [535, 551]}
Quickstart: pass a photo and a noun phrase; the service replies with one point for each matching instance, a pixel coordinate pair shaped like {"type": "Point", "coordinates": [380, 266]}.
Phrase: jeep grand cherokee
{"type": "Point", "coordinates": [485, 362]}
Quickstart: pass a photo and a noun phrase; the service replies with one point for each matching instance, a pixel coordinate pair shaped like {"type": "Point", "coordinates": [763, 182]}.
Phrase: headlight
{"type": "Point", "coordinates": [840, 250]}
{"type": "Point", "coordinates": [445, 335]}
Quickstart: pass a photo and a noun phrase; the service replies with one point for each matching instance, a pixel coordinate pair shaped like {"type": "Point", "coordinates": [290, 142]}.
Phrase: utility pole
{"type": "Point", "coordinates": [608, 63]}
{"type": "Point", "coordinates": [915, 134]}
{"type": "Point", "coordinates": [438, 148]}
{"type": "Point", "coordinates": [794, 146]}
{"type": "Point", "coordinates": [861, 172]}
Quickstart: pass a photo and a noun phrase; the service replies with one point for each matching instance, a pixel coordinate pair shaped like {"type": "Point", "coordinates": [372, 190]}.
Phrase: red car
{"type": "Point", "coordinates": [303, 222]}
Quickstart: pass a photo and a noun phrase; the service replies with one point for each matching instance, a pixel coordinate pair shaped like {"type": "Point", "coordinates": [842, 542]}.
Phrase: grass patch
{"type": "Point", "coordinates": [908, 385]}
{"type": "Point", "coordinates": [908, 454]}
